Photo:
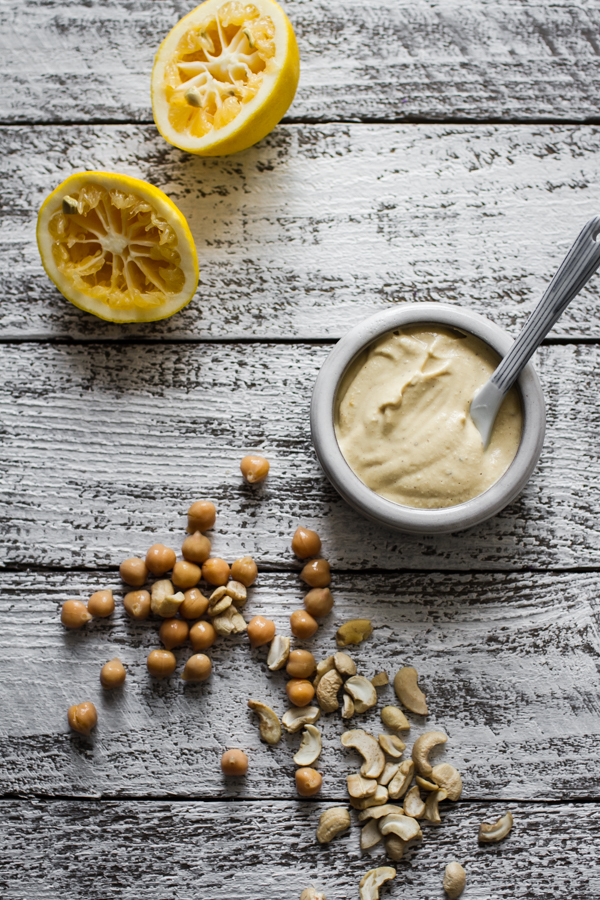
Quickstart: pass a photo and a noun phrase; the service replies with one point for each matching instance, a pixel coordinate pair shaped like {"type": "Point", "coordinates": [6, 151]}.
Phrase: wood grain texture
{"type": "Point", "coordinates": [68, 60]}
{"type": "Point", "coordinates": [105, 446]}
{"type": "Point", "coordinates": [92, 850]}
{"type": "Point", "coordinates": [508, 664]}
{"type": "Point", "coordinates": [320, 226]}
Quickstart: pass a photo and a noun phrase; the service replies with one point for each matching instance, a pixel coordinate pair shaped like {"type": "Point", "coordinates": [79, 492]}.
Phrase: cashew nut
{"type": "Point", "coordinates": [379, 812]}
{"type": "Point", "coordinates": [390, 771]}
{"type": "Point", "coordinates": [344, 664]}
{"type": "Point", "coordinates": [370, 835]}
{"type": "Point", "coordinates": [399, 784]}
{"type": "Point", "coordinates": [402, 826]}
{"type": "Point", "coordinates": [372, 881]}
{"type": "Point", "coordinates": [380, 680]}
{"type": "Point", "coordinates": [413, 805]}
{"type": "Point", "coordinates": [422, 748]}
{"type": "Point", "coordinates": [394, 847]}
{"type": "Point", "coordinates": [331, 823]}
{"type": "Point", "coordinates": [362, 692]}
{"type": "Point", "coordinates": [297, 717]}
{"type": "Point", "coordinates": [448, 778]}
{"type": "Point", "coordinates": [454, 880]}
{"type": "Point", "coordinates": [394, 719]}
{"type": "Point", "coordinates": [326, 665]}
{"type": "Point", "coordinates": [408, 691]}
{"type": "Point", "coordinates": [310, 747]}
{"type": "Point", "coordinates": [270, 727]}
{"type": "Point", "coordinates": [309, 893]}
{"type": "Point", "coordinates": [491, 834]}
{"type": "Point", "coordinates": [278, 652]}
{"type": "Point", "coordinates": [327, 691]}
{"type": "Point", "coordinates": [347, 706]}
{"type": "Point", "coordinates": [353, 632]}
{"type": "Point", "coordinates": [379, 798]}
{"type": "Point", "coordinates": [369, 749]}
{"type": "Point", "coordinates": [392, 745]}
{"type": "Point", "coordinates": [360, 787]}
{"type": "Point", "coordinates": [432, 813]}
{"type": "Point", "coordinates": [426, 785]}
{"type": "Point", "coordinates": [238, 593]}
{"type": "Point", "coordinates": [164, 601]}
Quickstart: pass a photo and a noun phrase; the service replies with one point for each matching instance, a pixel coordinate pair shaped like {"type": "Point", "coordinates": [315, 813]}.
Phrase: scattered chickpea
{"type": "Point", "coordinates": [112, 674]}
{"type": "Point", "coordinates": [308, 781]}
{"type": "Point", "coordinates": [101, 604]}
{"type": "Point", "coordinates": [319, 601]}
{"type": "Point", "coordinates": [173, 633]}
{"type": "Point", "coordinates": [201, 516]}
{"type": "Point", "coordinates": [316, 573]}
{"type": "Point", "coordinates": [215, 571]}
{"type": "Point", "coordinates": [300, 664]}
{"type": "Point", "coordinates": [197, 668]}
{"type": "Point", "coordinates": [185, 574]}
{"type": "Point", "coordinates": [260, 631]}
{"type": "Point", "coordinates": [196, 548]}
{"type": "Point", "coordinates": [161, 663]}
{"type": "Point", "coordinates": [160, 559]}
{"type": "Point", "coordinates": [137, 604]}
{"type": "Point", "coordinates": [306, 543]}
{"type": "Point", "coordinates": [82, 717]}
{"type": "Point", "coordinates": [300, 691]}
{"type": "Point", "coordinates": [254, 468]}
{"type": "Point", "coordinates": [302, 624]}
{"type": "Point", "coordinates": [234, 762]}
{"type": "Point", "coordinates": [244, 570]}
{"type": "Point", "coordinates": [134, 571]}
{"type": "Point", "coordinates": [74, 614]}
{"type": "Point", "coordinates": [202, 635]}
{"type": "Point", "coordinates": [194, 605]}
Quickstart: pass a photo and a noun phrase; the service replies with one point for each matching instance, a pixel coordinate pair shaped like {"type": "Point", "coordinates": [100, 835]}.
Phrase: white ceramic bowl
{"type": "Point", "coordinates": [407, 518]}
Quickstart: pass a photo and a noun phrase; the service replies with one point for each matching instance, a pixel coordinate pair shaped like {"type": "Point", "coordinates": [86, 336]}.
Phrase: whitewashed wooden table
{"type": "Point", "coordinates": [435, 151]}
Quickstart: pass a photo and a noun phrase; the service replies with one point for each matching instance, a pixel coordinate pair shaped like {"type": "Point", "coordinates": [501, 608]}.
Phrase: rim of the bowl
{"type": "Point", "coordinates": [407, 518]}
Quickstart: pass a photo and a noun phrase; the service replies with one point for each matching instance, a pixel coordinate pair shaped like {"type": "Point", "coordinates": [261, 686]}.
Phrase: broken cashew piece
{"type": "Point", "coordinates": [229, 622]}
{"type": "Point", "coordinates": [310, 747]}
{"type": "Point", "coordinates": [392, 745]}
{"type": "Point", "coordinates": [344, 664]}
{"type": "Point", "coordinates": [360, 787]}
{"type": "Point", "coordinates": [491, 834]}
{"type": "Point", "coordinates": [432, 813]}
{"type": "Point", "coordinates": [347, 706]}
{"type": "Point", "coordinates": [394, 847]}
{"type": "Point", "coordinates": [455, 879]}
{"type": "Point", "coordinates": [369, 749]}
{"type": "Point", "coordinates": [380, 680]}
{"type": "Point", "coordinates": [413, 805]}
{"type": "Point", "coordinates": [390, 771]}
{"type": "Point", "coordinates": [278, 653]}
{"type": "Point", "coordinates": [408, 691]}
{"type": "Point", "coordinates": [448, 778]}
{"type": "Point", "coordinates": [404, 827]}
{"type": "Point", "coordinates": [379, 812]}
{"type": "Point", "coordinates": [310, 893]}
{"type": "Point", "coordinates": [164, 601]}
{"type": "Point", "coordinates": [399, 784]}
{"type": "Point", "coordinates": [426, 785]}
{"type": "Point", "coordinates": [327, 691]}
{"type": "Point", "coordinates": [270, 726]}
{"type": "Point", "coordinates": [299, 716]}
{"type": "Point", "coordinates": [331, 823]}
{"type": "Point", "coordinates": [373, 880]}
{"type": "Point", "coordinates": [353, 632]}
{"type": "Point", "coordinates": [238, 593]}
{"type": "Point", "coordinates": [394, 719]}
{"type": "Point", "coordinates": [370, 835]}
{"type": "Point", "coordinates": [362, 692]}
{"type": "Point", "coordinates": [326, 665]}
{"type": "Point", "coordinates": [422, 748]}
{"type": "Point", "coordinates": [379, 798]}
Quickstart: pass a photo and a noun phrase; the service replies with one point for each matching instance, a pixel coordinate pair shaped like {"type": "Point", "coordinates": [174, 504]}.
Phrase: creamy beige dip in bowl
{"type": "Point", "coordinates": [390, 423]}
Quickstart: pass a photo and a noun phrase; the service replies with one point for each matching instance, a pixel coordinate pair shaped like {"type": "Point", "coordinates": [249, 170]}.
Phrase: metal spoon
{"type": "Point", "coordinates": [576, 269]}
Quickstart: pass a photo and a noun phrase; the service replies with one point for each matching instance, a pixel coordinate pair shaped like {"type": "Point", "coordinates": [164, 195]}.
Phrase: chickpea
{"type": "Point", "coordinates": [194, 605]}
{"type": "Point", "coordinates": [215, 571]}
{"type": "Point", "coordinates": [306, 543]}
{"type": "Point", "coordinates": [173, 633]}
{"type": "Point", "coordinates": [244, 570]}
{"type": "Point", "coordinates": [234, 762]}
{"type": "Point", "coordinates": [302, 624]}
{"type": "Point", "coordinates": [197, 668]}
{"type": "Point", "coordinates": [300, 664]}
{"type": "Point", "coordinates": [300, 691]}
{"type": "Point", "coordinates": [160, 559]}
{"type": "Point", "coordinates": [308, 781]}
{"type": "Point", "coordinates": [201, 516]}
{"type": "Point", "coordinates": [185, 574]}
{"type": "Point", "coordinates": [112, 674]}
{"type": "Point", "coordinates": [316, 573]}
{"type": "Point", "coordinates": [134, 571]}
{"type": "Point", "coordinates": [74, 614]}
{"type": "Point", "coordinates": [319, 601]}
{"type": "Point", "coordinates": [196, 548]}
{"type": "Point", "coordinates": [161, 663]}
{"type": "Point", "coordinates": [202, 635]}
{"type": "Point", "coordinates": [82, 717]}
{"type": "Point", "coordinates": [254, 468]}
{"type": "Point", "coordinates": [137, 604]}
{"type": "Point", "coordinates": [101, 604]}
{"type": "Point", "coordinates": [260, 631]}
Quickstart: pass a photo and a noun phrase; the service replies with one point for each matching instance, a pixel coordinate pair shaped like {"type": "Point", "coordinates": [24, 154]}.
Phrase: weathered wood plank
{"type": "Point", "coordinates": [104, 447]}
{"type": "Point", "coordinates": [508, 663]}
{"type": "Point", "coordinates": [217, 851]}
{"type": "Point", "coordinates": [320, 226]}
{"type": "Point", "coordinates": [67, 60]}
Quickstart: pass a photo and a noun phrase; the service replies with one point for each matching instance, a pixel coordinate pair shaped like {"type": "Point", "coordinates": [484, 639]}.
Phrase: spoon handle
{"type": "Point", "coordinates": [576, 269]}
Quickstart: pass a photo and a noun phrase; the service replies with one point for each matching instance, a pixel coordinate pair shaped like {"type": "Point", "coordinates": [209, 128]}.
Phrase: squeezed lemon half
{"type": "Point", "coordinates": [224, 76]}
{"type": "Point", "coordinates": [117, 247]}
